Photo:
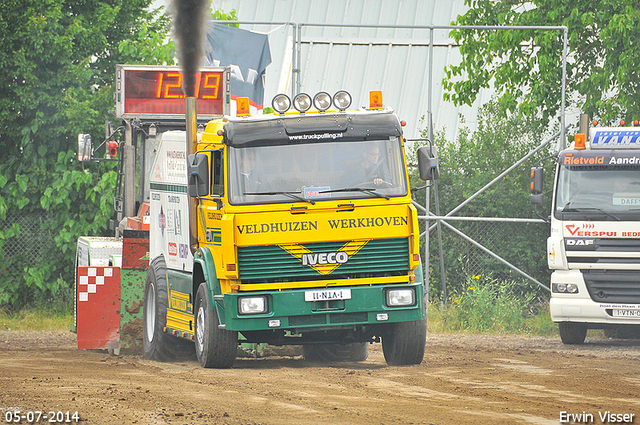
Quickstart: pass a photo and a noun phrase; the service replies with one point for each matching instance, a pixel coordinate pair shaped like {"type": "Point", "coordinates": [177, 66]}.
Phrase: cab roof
{"type": "Point", "coordinates": [311, 128]}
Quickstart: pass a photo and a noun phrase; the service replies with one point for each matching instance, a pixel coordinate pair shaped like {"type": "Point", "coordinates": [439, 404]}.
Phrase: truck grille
{"type": "Point", "coordinates": [602, 251]}
{"type": "Point", "coordinates": [613, 286]}
{"type": "Point", "coordinates": [273, 263]}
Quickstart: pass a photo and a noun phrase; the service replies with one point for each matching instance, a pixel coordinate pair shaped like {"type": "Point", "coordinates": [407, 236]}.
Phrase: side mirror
{"type": "Point", "coordinates": [428, 163]}
{"type": "Point", "coordinates": [198, 170]}
{"type": "Point", "coordinates": [84, 147]}
{"type": "Point", "coordinates": [537, 181]}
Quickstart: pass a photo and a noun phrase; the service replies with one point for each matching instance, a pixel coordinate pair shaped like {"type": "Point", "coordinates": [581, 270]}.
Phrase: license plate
{"type": "Point", "coordinates": [626, 313]}
{"type": "Point", "coordinates": [328, 295]}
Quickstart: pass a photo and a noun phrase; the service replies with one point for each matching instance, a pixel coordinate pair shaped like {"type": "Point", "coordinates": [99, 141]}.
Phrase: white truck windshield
{"type": "Point", "coordinates": [316, 172]}
{"type": "Point", "coordinates": [596, 193]}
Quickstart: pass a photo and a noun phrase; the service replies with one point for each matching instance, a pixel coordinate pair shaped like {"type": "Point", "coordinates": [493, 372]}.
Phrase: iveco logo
{"type": "Point", "coordinates": [579, 242]}
{"type": "Point", "coordinates": [312, 259]}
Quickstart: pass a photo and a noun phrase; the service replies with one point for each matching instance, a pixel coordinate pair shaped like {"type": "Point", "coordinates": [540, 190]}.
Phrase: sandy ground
{"type": "Point", "coordinates": [464, 379]}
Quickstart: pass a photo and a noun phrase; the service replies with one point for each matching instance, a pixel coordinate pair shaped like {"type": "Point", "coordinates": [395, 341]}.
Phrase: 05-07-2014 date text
{"type": "Point", "coordinates": [37, 416]}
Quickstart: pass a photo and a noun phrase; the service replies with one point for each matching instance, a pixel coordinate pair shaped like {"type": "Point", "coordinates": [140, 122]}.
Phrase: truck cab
{"type": "Point", "coordinates": [306, 235]}
{"type": "Point", "coordinates": [594, 246]}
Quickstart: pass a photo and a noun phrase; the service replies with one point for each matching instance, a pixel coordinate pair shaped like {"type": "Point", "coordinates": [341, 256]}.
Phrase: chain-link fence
{"type": "Point", "coordinates": [521, 244]}
{"type": "Point", "coordinates": [34, 241]}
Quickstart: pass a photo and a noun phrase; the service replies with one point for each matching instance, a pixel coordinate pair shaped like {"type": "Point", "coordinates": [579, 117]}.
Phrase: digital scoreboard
{"type": "Point", "coordinates": [147, 91]}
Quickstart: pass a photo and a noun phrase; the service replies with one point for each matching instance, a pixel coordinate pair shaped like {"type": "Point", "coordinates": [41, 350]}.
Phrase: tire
{"type": "Point", "coordinates": [403, 343]}
{"type": "Point", "coordinates": [572, 333]}
{"type": "Point", "coordinates": [215, 347]}
{"type": "Point", "coordinates": [157, 344]}
{"type": "Point", "coordinates": [353, 352]}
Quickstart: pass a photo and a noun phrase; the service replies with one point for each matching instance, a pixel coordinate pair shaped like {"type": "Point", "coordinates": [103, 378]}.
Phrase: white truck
{"type": "Point", "coordinates": [594, 246]}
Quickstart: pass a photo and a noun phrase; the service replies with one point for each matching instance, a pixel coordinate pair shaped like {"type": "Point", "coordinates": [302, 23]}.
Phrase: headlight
{"type": "Point", "coordinates": [401, 297]}
{"type": "Point", "coordinates": [564, 288]}
{"type": "Point", "coordinates": [342, 100]}
{"type": "Point", "coordinates": [253, 305]}
{"type": "Point", "coordinates": [322, 101]}
{"type": "Point", "coordinates": [302, 102]}
{"type": "Point", "coordinates": [281, 103]}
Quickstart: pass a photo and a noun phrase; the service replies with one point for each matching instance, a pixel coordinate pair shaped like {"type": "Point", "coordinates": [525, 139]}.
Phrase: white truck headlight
{"type": "Point", "coordinates": [253, 305]}
{"type": "Point", "coordinates": [401, 297]}
{"type": "Point", "coordinates": [564, 288]}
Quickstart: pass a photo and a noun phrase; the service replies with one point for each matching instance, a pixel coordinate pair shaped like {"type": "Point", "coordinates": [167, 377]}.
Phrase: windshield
{"type": "Point", "coordinates": [598, 192]}
{"type": "Point", "coordinates": [316, 172]}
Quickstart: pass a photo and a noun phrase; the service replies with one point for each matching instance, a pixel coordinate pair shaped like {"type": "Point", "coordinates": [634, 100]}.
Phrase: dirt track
{"type": "Point", "coordinates": [462, 380]}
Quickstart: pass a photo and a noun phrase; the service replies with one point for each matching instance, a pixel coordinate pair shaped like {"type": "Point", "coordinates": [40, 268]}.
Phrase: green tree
{"type": "Point", "coordinates": [57, 66]}
{"type": "Point", "coordinates": [525, 66]}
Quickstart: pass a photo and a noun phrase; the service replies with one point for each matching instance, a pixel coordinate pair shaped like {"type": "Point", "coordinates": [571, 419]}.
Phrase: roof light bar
{"type": "Point", "coordinates": [322, 101]}
{"type": "Point", "coordinates": [281, 103]}
{"type": "Point", "coordinates": [302, 102]}
{"type": "Point", "coordinates": [342, 100]}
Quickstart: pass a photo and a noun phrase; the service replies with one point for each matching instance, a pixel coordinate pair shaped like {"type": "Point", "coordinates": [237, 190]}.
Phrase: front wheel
{"type": "Point", "coordinates": [403, 343]}
{"type": "Point", "coordinates": [157, 344]}
{"type": "Point", "coordinates": [572, 333]}
{"type": "Point", "coordinates": [215, 347]}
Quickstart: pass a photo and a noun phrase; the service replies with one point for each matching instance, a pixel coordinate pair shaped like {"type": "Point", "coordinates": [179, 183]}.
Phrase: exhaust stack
{"type": "Point", "coordinates": [189, 17]}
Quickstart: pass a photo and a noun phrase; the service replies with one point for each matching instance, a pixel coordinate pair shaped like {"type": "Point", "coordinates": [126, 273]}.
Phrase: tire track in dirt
{"type": "Point", "coordinates": [468, 379]}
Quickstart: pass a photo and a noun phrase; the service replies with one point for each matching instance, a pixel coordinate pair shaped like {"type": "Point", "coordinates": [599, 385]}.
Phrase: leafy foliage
{"type": "Point", "coordinates": [525, 66]}
{"type": "Point", "coordinates": [488, 305]}
{"type": "Point", "coordinates": [57, 65]}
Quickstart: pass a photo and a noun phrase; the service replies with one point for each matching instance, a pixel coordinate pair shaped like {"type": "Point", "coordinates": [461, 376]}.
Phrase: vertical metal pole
{"type": "Point", "coordinates": [426, 243]}
{"type": "Point", "coordinates": [294, 55]}
{"type": "Point", "coordinates": [143, 165]}
{"type": "Point", "coordinates": [563, 138]}
{"type": "Point", "coordinates": [443, 281]}
{"type": "Point", "coordinates": [298, 65]}
{"type": "Point", "coordinates": [190, 108]}
{"type": "Point", "coordinates": [129, 171]}
{"type": "Point", "coordinates": [430, 93]}
{"type": "Point", "coordinates": [584, 125]}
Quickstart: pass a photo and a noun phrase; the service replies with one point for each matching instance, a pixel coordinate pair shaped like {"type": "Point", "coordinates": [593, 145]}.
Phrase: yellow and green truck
{"type": "Point", "coordinates": [289, 228]}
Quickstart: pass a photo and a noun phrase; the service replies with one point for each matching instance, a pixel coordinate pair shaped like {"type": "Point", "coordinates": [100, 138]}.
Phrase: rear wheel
{"type": "Point", "coordinates": [403, 343]}
{"type": "Point", "coordinates": [572, 333]}
{"type": "Point", "coordinates": [215, 347]}
{"type": "Point", "coordinates": [353, 352]}
{"type": "Point", "coordinates": [157, 344]}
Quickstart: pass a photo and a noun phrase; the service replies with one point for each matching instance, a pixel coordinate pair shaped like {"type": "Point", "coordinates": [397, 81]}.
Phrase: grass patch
{"type": "Point", "coordinates": [485, 306]}
{"type": "Point", "coordinates": [36, 320]}
{"type": "Point", "coordinates": [489, 306]}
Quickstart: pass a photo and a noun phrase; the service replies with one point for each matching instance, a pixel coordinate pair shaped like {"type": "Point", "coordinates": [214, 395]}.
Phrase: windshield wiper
{"type": "Point", "coordinates": [566, 209]}
{"type": "Point", "coordinates": [357, 189]}
{"type": "Point", "coordinates": [292, 195]}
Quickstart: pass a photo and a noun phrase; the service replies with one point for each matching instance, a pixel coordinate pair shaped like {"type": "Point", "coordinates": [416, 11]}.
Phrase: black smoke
{"type": "Point", "coordinates": [189, 17]}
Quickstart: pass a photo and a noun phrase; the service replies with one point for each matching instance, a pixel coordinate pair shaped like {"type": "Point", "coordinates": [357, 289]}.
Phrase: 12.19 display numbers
{"type": "Point", "coordinates": [159, 92]}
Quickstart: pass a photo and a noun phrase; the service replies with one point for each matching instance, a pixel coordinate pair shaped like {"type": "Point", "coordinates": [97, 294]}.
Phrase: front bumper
{"type": "Point", "coordinates": [580, 308]}
{"type": "Point", "coordinates": [288, 310]}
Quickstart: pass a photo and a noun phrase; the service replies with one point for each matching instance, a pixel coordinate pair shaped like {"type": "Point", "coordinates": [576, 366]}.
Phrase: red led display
{"type": "Point", "coordinates": [154, 92]}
